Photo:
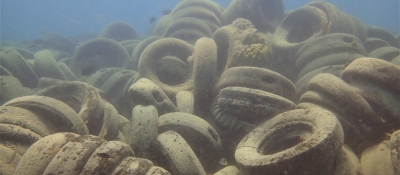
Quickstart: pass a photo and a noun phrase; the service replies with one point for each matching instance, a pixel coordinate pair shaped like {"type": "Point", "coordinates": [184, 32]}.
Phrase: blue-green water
{"type": "Point", "coordinates": [24, 19]}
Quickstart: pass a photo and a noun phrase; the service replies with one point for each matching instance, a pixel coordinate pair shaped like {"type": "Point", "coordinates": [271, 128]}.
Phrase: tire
{"type": "Point", "coordinates": [292, 143]}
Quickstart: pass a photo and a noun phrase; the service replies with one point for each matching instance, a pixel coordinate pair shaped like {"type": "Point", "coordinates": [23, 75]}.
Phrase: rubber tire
{"type": "Point", "coordinates": [306, 135]}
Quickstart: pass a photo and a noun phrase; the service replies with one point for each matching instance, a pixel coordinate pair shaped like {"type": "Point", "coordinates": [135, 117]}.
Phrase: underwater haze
{"type": "Point", "coordinates": [24, 19]}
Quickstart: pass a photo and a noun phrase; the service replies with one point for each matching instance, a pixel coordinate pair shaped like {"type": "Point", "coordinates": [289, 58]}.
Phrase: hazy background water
{"type": "Point", "coordinates": [24, 19]}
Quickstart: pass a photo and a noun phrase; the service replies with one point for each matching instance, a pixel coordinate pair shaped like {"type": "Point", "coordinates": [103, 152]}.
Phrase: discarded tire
{"type": "Point", "coordinates": [68, 153]}
{"type": "Point", "coordinates": [291, 143]}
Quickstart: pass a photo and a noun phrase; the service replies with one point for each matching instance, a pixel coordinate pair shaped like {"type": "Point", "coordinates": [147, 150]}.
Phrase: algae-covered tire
{"type": "Point", "coordinates": [70, 154]}
{"type": "Point", "coordinates": [347, 162]}
{"type": "Point", "coordinates": [132, 165]}
{"type": "Point", "coordinates": [97, 54]}
{"type": "Point", "coordinates": [172, 70]}
{"type": "Point", "coordinates": [346, 98]}
{"type": "Point", "coordinates": [371, 44]}
{"type": "Point", "coordinates": [398, 39]}
{"type": "Point", "coordinates": [179, 155]}
{"type": "Point", "coordinates": [388, 53]}
{"type": "Point", "coordinates": [198, 133]}
{"type": "Point", "coordinates": [206, 11]}
{"type": "Point", "coordinates": [298, 27]}
{"type": "Point", "coordinates": [301, 83]}
{"type": "Point", "coordinates": [257, 78]}
{"type": "Point", "coordinates": [381, 33]}
{"type": "Point", "coordinates": [204, 72]}
{"type": "Point", "coordinates": [4, 71]}
{"type": "Point", "coordinates": [119, 31]}
{"type": "Point", "coordinates": [378, 82]}
{"type": "Point", "coordinates": [204, 5]}
{"type": "Point", "coordinates": [145, 92]}
{"type": "Point", "coordinates": [188, 29]}
{"type": "Point", "coordinates": [101, 76]}
{"type": "Point", "coordinates": [17, 134]}
{"type": "Point", "coordinates": [130, 45]}
{"type": "Point", "coordinates": [25, 53]}
{"type": "Point", "coordinates": [111, 124]}
{"type": "Point", "coordinates": [340, 22]}
{"type": "Point", "coordinates": [66, 71]}
{"type": "Point", "coordinates": [187, 24]}
{"type": "Point", "coordinates": [376, 159]}
{"type": "Point", "coordinates": [155, 170]}
{"type": "Point", "coordinates": [358, 118]}
{"type": "Point", "coordinates": [83, 98]}
{"type": "Point", "coordinates": [251, 105]}
{"type": "Point", "coordinates": [327, 50]}
{"type": "Point", "coordinates": [137, 52]}
{"type": "Point", "coordinates": [143, 129]}
{"type": "Point", "coordinates": [46, 65]}
{"type": "Point", "coordinates": [9, 160]}
{"type": "Point", "coordinates": [11, 88]}
{"type": "Point", "coordinates": [15, 64]}
{"type": "Point", "coordinates": [26, 119]}
{"type": "Point", "coordinates": [161, 26]}
{"type": "Point", "coordinates": [71, 157]}
{"type": "Point", "coordinates": [159, 49]}
{"type": "Point", "coordinates": [396, 61]}
{"type": "Point", "coordinates": [374, 70]}
{"type": "Point", "coordinates": [264, 14]}
{"type": "Point", "coordinates": [105, 158]}
{"type": "Point", "coordinates": [229, 170]}
{"type": "Point", "coordinates": [395, 150]}
{"type": "Point", "coordinates": [55, 111]}
{"type": "Point", "coordinates": [295, 142]}
{"type": "Point", "coordinates": [229, 121]}
{"type": "Point", "coordinates": [114, 88]}
{"type": "Point", "coordinates": [45, 82]}
{"type": "Point", "coordinates": [185, 102]}
{"type": "Point", "coordinates": [57, 42]}
{"type": "Point", "coordinates": [40, 154]}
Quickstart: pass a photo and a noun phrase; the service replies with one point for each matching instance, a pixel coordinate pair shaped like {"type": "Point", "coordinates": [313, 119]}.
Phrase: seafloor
{"type": "Point", "coordinates": [248, 89]}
